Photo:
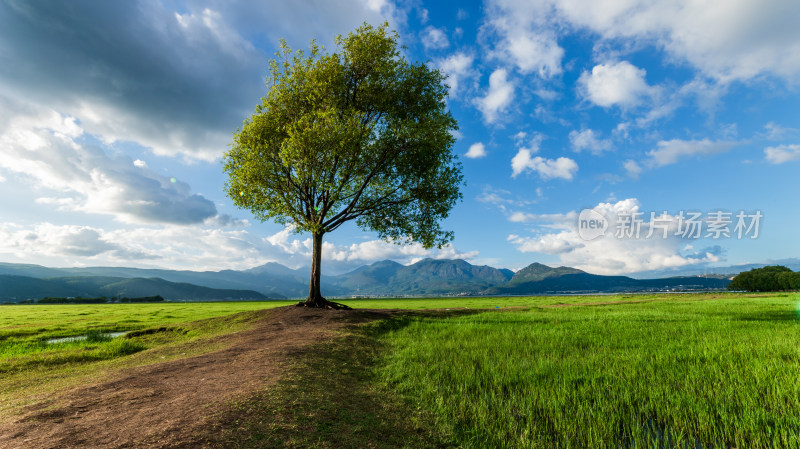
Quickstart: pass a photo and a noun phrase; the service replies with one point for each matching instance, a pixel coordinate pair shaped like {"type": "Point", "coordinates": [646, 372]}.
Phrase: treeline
{"type": "Point", "coordinates": [156, 298]}
{"type": "Point", "coordinates": [767, 279]}
{"type": "Point", "coordinates": [100, 300]}
{"type": "Point", "coordinates": [75, 300]}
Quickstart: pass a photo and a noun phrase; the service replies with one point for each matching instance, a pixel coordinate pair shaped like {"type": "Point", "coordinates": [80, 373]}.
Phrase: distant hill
{"type": "Point", "coordinates": [385, 278]}
{"type": "Point", "coordinates": [16, 288]}
{"type": "Point", "coordinates": [536, 272]}
{"type": "Point", "coordinates": [426, 277]}
{"type": "Point", "coordinates": [537, 278]}
{"type": "Point", "coordinates": [271, 283]}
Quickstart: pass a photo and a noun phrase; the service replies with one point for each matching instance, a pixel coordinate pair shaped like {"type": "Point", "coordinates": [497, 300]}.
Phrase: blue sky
{"type": "Point", "coordinates": [114, 115]}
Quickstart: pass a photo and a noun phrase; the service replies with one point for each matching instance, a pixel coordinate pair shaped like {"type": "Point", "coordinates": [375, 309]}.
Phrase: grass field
{"type": "Point", "coordinates": [26, 329]}
{"type": "Point", "coordinates": [674, 371]}
{"type": "Point", "coordinates": [30, 367]}
{"type": "Point", "coordinates": [671, 373]}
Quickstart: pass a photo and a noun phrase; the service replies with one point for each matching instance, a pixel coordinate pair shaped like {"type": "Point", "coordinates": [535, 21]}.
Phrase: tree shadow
{"type": "Point", "coordinates": [770, 315]}
{"type": "Point", "coordinates": [330, 397]}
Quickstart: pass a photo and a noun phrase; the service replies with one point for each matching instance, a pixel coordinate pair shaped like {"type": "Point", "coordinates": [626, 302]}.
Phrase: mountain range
{"type": "Point", "coordinates": [432, 277]}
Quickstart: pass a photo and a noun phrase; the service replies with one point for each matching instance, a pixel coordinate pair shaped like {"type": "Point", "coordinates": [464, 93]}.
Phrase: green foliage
{"type": "Point", "coordinates": [361, 134]}
{"type": "Point", "coordinates": [767, 279]}
{"type": "Point", "coordinates": [156, 298]}
{"type": "Point", "coordinates": [667, 374]}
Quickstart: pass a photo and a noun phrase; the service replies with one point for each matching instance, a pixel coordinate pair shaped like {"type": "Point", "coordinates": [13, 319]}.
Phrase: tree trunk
{"type": "Point", "coordinates": [315, 298]}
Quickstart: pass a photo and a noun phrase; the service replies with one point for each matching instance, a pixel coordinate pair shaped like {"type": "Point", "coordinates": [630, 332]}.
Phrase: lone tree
{"type": "Point", "coordinates": [361, 134]}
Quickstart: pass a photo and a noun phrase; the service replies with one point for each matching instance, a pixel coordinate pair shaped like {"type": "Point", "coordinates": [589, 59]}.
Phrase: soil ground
{"type": "Point", "coordinates": [169, 404]}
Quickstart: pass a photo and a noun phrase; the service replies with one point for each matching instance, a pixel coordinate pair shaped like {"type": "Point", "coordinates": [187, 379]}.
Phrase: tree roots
{"type": "Point", "coordinates": [322, 303]}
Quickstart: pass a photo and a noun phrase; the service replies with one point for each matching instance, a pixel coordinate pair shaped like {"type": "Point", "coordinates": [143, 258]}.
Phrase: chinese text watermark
{"type": "Point", "coordinates": [685, 224]}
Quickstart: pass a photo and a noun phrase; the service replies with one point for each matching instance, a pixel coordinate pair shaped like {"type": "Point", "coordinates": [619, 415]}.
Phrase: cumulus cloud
{"type": "Point", "coordinates": [176, 82]}
{"type": "Point", "coordinates": [434, 39]}
{"type": "Point", "coordinates": [200, 248]}
{"type": "Point", "coordinates": [725, 40]}
{"type": "Point", "coordinates": [615, 84]}
{"type": "Point", "coordinates": [671, 151]}
{"type": "Point", "coordinates": [563, 167]}
{"type": "Point", "coordinates": [499, 96]}
{"type": "Point", "coordinates": [632, 168]}
{"type": "Point", "coordinates": [589, 141]}
{"type": "Point", "coordinates": [458, 68]}
{"type": "Point", "coordinates": [555, 221]}
{"type": "Point", "coordinates": [116, 67]}
{"type": "Point", "coordinates": [476, 150]}
{"type": "Point", "coordinates": [610, 253]}
{"type": "Point", "coordinates": [51, 240]}
{"type": "Point", "coordinates": [45, 146]}
{"type": "Point", "coordinates": [341, 258]}
{"type": "Point", "coordinates": [524, 36]}
{"type": "Point", "coordinates": [375, 250]}
{"type": "Point", "coordinates": [782, 153]}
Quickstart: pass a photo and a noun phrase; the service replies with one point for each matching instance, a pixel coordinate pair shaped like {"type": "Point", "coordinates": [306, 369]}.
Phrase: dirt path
{"type": "Point", "coordinates": [167, 404]}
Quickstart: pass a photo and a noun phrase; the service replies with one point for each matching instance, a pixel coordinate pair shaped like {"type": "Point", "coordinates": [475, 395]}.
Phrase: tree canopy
{"type": "Point", "coordinates": [360, 134]}
{"type": "Point", "coordinates": [766, 279]}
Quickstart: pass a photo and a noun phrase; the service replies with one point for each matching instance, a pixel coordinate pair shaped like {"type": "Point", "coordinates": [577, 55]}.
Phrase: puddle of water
{"type": "Point", "coordinates": [82, 337]}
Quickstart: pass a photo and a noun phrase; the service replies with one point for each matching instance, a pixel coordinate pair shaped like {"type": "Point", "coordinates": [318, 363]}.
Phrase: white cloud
{"type": "Point", "coordinates": [610, 254]}
{"type": "Point", "coordinates": [563, 167]}
{"type": "Point", "coordinates": [140, 163]}
{"type": "Point", "coordinates": [506, 202]}
{"type": "Point", "coordinates": [670, 151]}
{"type": "Point", "coordinates": [500, 95]}
{"type": "Point", "coordinates": [340, 258]}
{"type": "Point", "coordinates": [548, 244]}
{"type": "Point", "coordinates": [457, 67]}
{"type": "Point", "coordinates": [177, 82]}
{"type": "Point", "coordinates": [615, 84]}
{"type": "Point", "coordinates": [632, 168]}
{"type": "Point", "coordinates": [497, 197]}
{"type": "Point", "coordinates": [782, 153]}
{"type": "Point", "coordinates": [588, 140]}
{"type": "Point", "coordinates": [194, 248]}
{"type": "Point", "coordinates": [524, 36]}
{"type": "Point", "coordinates": [434, 38]}
{"type": "Point", "coordinates": [422, 13]}
{"type": "Point", "coordinates": [40, 143]}
{"type": "Point", "coordinates": [375, 250]}
{"type": "Point", "coordinates": [556, 221]}
{"type": "Point", "coordinates": [727, 40]}
{"type": "Point", "coordinates": [476, 150]}
{"type": "Point", "coordinates": [50, 240]}
{"type": "Point", "coordinates": [773, 131]}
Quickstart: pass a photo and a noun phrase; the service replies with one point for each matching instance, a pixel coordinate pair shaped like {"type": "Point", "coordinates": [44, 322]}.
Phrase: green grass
{"type": "Point", "coordinates": [25, 329]}
{"type": "Point", "coordinates": [672, 373]}
{"type": "Point", "coordinates": [492, 302]}
{"type": "Point", "coordinates": [29, 366]}
{"type": "Point", "coordinates": [42, 322]}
